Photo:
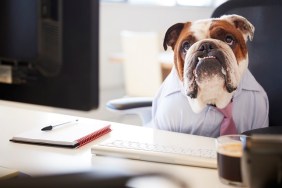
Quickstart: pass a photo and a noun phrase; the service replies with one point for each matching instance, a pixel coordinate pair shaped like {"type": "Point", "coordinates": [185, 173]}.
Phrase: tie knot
{"type": "Point", "coordinates": [227, 111]}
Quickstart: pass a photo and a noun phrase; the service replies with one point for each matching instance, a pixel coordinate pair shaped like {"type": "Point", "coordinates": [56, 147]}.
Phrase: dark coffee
{"type": "Point", "coordinates": [229, 167]}
{"type": "Point", "coordinates": [229, 162]}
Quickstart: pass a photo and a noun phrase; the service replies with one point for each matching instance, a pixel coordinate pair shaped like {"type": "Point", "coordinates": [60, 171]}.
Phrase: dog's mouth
{"type": "Point", "coordinates": [204, 68]}
{"type": "Point", "coordinates": [209, 66]}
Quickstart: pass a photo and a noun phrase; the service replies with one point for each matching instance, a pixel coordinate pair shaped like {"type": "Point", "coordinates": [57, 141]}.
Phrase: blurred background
{"type": "Point", "coordinates": [135, 23]}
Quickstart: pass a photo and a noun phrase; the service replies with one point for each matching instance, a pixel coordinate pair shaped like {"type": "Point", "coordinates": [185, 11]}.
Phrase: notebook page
{"type": "Point", "coordinates": [62, 135]}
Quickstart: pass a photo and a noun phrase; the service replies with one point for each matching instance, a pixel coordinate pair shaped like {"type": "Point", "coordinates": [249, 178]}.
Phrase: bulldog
{"type": "Point", "coordinates": [210, 62]}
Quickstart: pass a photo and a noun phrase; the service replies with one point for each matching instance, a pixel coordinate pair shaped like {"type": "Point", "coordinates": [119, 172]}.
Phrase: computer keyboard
{"type": "Point", "coordinates": [200, 157]}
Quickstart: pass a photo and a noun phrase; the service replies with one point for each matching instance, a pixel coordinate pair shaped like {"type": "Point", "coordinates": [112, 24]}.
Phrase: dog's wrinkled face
{"type": "Point", "coordinates": [210, 57]}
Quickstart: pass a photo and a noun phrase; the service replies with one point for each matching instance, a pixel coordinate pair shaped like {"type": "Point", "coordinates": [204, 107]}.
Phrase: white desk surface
{"type": "Point", "coordinates": [40, 160]}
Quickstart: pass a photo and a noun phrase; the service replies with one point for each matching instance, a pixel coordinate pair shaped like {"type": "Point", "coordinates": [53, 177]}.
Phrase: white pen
{"type": "Point", "coordinates": [50, 127]}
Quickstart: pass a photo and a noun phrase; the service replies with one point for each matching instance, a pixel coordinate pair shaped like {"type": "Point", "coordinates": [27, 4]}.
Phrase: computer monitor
{"type": "Point", "coordinates": [49, 52]}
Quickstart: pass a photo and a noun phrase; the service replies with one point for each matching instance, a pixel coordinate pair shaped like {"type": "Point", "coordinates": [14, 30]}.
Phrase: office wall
{"type": "Point", "coordinates": [117, 17]}
{"type": "Point", "coordinates": [113, 19]}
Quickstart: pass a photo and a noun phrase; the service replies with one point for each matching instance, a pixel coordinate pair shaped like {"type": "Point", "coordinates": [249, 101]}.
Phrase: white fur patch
{"type": "Point", "coordinates": [201, 29]}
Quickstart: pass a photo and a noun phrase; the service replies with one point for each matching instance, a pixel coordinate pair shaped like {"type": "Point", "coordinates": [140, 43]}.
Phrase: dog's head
{"type": "Point", "coordinates": [210, 57]}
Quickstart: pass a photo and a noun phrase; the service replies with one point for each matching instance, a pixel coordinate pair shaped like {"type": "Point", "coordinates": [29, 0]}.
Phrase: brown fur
{"type": "Point", "coordinates": [178, 33]}
{"type": "Point", "coordinates": [218, 30]}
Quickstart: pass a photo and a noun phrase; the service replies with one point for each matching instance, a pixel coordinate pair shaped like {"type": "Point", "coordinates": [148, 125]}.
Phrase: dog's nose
{"type": "Point", "coordinates": [206, 46]}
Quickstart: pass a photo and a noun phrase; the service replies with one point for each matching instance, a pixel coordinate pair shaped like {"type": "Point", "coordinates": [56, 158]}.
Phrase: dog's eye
{"type": "Point", "coordinates": [229, 40]}
{"type": "Point", "coordinates": [185, 46]}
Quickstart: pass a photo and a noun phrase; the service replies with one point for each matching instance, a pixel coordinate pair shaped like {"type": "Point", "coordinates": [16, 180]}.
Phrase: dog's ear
{"type": "Point", "coordinates": [242, 24]}
{"type": "Point", "coordinates": [172, 34]}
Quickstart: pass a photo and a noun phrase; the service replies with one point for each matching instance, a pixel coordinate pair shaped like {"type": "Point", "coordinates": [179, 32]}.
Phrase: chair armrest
{"type": "Point", "coordinates": [129, 103]}
{"type": "Point", "coordinates": [141, 106]}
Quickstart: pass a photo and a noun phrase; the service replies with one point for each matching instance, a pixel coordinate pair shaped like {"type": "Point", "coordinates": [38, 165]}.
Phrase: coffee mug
{"type": "Point", "coordinates": [229, 154]}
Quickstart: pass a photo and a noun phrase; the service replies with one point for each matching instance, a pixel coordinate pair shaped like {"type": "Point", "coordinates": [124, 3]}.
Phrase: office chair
{"type": "Point", "coordinates": [265, 51]}
{"type": "Point", "coordinates": [142, 73]}
{"type": "Point", "coordinates": [142, 70]}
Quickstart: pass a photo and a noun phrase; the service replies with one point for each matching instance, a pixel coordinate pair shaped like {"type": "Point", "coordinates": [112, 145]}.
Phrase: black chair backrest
{"type": "Point", "coordinates": [265, 51]}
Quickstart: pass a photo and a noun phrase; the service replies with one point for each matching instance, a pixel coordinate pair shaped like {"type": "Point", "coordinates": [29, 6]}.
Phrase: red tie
{"type": "Point", "coordinates": [227, 125]}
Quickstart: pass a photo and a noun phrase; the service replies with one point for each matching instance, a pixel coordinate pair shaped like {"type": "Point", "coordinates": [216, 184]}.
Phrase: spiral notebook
{"type": "Point", "coordinates": [71, 135]}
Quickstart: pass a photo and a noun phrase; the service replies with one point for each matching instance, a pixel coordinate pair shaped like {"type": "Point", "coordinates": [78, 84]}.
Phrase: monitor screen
{"type": "Point", "coordinates": [49, 52]}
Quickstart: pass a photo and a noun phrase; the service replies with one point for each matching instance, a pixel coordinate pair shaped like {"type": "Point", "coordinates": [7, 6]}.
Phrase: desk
{"type": "Point", "coordinates": [42, 160]}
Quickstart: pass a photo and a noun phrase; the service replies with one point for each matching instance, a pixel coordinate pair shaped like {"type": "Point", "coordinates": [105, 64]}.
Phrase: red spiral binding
{"type": "Point", "coordinates": [88, 138]}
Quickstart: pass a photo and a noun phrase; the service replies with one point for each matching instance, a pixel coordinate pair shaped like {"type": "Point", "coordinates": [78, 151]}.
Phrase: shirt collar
{"type": "Point", "coordinates": [172, 83]}
{"type": "Point", "coordinates": [249, 83]}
